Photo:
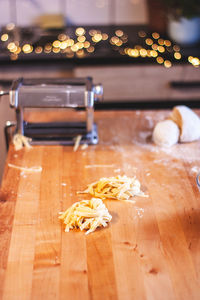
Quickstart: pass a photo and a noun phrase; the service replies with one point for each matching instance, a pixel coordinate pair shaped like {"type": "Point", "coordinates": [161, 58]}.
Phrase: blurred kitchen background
{"type": "Point", "coordinates": [79, 12]}
{"type": "Point", "coordinates": [146, 53]}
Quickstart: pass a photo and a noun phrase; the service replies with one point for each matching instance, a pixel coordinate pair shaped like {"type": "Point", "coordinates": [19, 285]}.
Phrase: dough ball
{"type": "Point", "coordinates": [166, 133]}
{"type": "Point", "coordinates": [188, 122]}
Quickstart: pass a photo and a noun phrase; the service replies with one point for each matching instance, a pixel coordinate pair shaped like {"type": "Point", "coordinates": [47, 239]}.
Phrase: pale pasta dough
{"type": "Point", "coordinates": [188, 122]}
{"type": "Point", "coordinates": [21, 141]}
{"type": "Point", "coordinates": [166, 133]}
{"type": "Point", "coordinates": [86, 215]}
{"type": "Point", "coordinates": [119, 188]}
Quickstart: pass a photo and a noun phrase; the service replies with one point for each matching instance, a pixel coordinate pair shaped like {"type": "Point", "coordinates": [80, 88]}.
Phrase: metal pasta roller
{"type": "Point", "coordinates": [44, 95]}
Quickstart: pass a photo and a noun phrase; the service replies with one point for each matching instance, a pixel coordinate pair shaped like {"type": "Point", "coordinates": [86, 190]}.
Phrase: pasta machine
{"type": "Point", "coordinates": [76, 94]}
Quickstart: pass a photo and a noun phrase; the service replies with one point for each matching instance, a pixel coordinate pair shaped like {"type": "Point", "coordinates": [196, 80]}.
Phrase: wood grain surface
{"type": "Point", "coordinates": [151, 248]}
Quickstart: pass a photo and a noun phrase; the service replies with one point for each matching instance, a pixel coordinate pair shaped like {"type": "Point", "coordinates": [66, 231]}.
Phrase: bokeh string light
{"type": "Point", "coordinates": [84, 43]}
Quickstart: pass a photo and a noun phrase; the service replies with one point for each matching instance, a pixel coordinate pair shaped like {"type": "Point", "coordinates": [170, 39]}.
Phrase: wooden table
{"type": "Point", "coordinates": [151, 248]}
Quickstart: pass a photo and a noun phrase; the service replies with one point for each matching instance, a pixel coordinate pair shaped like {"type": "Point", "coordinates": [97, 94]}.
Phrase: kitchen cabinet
{"type": "Point", "coordinates": [143, 82]}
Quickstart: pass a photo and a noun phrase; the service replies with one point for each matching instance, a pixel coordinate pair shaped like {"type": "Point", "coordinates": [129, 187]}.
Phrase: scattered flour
{"type": "Point", "coordinates": [139, 212]}
{"type": "Point", "coordinates": [23, 174]}
{"type": "Point", "coordinates": [195, 169]}
{"type": "Point", "coordinates": [150, 121]}
{"type": "Point", "coordinates": [117, 170]}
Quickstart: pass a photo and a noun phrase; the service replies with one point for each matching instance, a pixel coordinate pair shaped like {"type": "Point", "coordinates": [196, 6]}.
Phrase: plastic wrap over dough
{"type": "Point", "coordinates": [166, 133]}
